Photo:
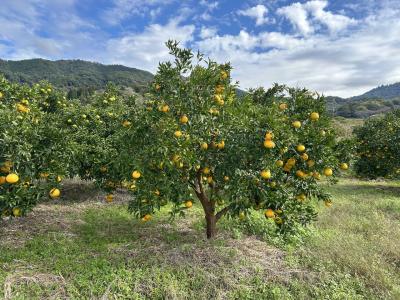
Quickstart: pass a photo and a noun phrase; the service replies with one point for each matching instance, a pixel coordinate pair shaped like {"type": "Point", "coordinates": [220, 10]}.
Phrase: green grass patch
{"type": "Point", "coordinates": [351, 252]}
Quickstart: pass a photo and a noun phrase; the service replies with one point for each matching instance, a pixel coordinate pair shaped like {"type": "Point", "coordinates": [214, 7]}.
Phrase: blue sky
{"type": "Point", "coordinates": [342, 47]}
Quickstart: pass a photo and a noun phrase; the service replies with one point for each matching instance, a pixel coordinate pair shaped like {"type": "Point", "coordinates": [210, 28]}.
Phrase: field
{"type": "Point", "coordinates": [80, 247]}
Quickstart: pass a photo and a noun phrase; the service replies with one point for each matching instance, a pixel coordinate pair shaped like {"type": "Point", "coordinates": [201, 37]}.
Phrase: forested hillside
{"type": "Point", "coordinates": [376, 101]}
{"type": "Point", "coordinates": [78, 76]}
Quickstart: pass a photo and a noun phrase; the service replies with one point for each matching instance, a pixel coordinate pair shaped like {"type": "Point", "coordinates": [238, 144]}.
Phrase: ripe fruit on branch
{"type": "Point", "coordinates": [54, 193]}
{"type": "Point", "coordinates": [314, 116]}
{"type": "Point", "coordinates": [136, 174]}
{"type": "Point", "coordinates": [296, 124]}
{"type": "Point", "coordinates": [266, 174]}
{"type": "Point", "coordinates": [12, 178]}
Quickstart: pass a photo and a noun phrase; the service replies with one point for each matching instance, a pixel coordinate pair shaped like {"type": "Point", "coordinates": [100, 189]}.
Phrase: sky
{"type": "Point", "coordinates": [336, 47]}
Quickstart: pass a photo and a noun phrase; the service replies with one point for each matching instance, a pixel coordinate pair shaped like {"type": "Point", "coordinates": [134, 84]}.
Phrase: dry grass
{"type": "Point", "coordinates": [82, 247]}
{"type": "Point", "coordinates": [225, 263]}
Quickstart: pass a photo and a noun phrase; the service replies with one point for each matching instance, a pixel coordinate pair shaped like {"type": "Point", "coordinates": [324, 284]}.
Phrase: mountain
{"type": "Point", "coordinates": [74, 75]}
{"type": "Point", "coordinates": [376, 101]}
{"type": "Point", "coordinates": [386, 92]}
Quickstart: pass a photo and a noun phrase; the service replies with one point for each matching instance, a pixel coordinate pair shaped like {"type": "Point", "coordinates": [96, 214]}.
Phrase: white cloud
{"type": "Point", "coordinates": [123, 9]}
{"type": "Point", "coordinates": [207, 32]}
{"type": "Point", "coordinates": [257, 12]}
{"type": "Point", "coordinates": [334, 22]}
{"type": "Point", "coordinates": [298, 16]}
{"type": "Point", "coordinates": [306, 16]}
{"type": "Point", "coordinates": [144, 50]}
{"type": "Point", "coordinates": [336, 65]}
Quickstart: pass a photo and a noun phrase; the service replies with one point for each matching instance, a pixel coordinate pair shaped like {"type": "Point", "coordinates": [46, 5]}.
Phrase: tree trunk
{"type": "Point", "coordinates": [211, 222]}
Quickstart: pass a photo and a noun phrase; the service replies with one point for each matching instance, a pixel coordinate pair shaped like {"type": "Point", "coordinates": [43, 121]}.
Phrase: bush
{"type": "Point", "coordinates": [378, 143]}
{"type": "Point", "coordinates": [33, 156]}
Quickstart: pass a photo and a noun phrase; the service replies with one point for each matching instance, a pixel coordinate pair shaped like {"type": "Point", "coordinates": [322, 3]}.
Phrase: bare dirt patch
{"type": "Point", "coordinates": [55, 215]}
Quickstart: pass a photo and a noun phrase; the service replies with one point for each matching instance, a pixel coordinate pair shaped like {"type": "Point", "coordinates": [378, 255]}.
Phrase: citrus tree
{"type": "Point", "coordinates": [378, 143]}
{"type": "Point", "coordinates": [194, 140]}
{"type": "Point", "coordinates": [94, 129]}
{"type": "Point", "coordinates": [33, 154]}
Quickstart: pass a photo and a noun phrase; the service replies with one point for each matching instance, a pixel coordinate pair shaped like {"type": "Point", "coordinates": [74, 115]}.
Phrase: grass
{"type": "Point", "coordinates": [345, 126]}
{"type": "Point", "coordinates": [88, 249]}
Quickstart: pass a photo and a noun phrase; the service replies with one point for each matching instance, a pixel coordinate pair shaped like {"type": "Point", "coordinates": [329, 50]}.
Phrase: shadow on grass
{"type": "Point", "coordinates": [378, 189]}
{"type": "Point", "coordinates": [181, 243]}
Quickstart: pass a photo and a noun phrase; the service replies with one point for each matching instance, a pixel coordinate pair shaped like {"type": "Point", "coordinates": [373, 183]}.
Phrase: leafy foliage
{"type": "Point", "coordinates": [196, 140]}
{"type": "Point", "coordinates": [378, 147]}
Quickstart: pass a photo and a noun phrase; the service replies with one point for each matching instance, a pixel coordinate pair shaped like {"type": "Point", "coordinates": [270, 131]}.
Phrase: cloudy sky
{"type": "Point", "coordinates": [338, 47]}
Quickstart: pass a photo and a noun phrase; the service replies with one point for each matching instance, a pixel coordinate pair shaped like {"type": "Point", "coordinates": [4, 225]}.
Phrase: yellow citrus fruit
{"type": "Point", "coordinates": [204, 146]}
{"type": "Point", "coordinates": [109, 198]}
{"type": "Point", "coordinates": [206, 170]}
{"type": "Point", "coordinates": [279, 163]}
{"type": "Point", "coordinates": [301, 197]}
{"type": "Point", "coordinates": [226, 178]}
{"type": "Point", "coordinates": [304, 156]}
{"type": "Point", "coordinates": [282, 106]}
{"type": "Point", "coordinates": [1, 95]}
{"type": "Point", "coordinates": [311, 163]}
{"type": "Point", "coordinates": [146, 218]}
{"type": "Point", "coordinates": [5, 169]}
{"type": "Point", "coordinates": [266, 174]}
{"type": "Point", "coordinates": [136, 174]}
{"type": "Point", "coordinates": [184, 119]}
{"type": "Point", "coordinates": [219, 89]}
{"type": "Point", "coordinates": [221, 145]}
{"type": "Point", "coordinates": [314, 116]}
{"type": "Point", "coordinates": [16, 212]}
{"type": "Point", "coordinates": [188, 204]}
{"type": "Point", "coordinates": [224, 75]}
{"type": "Point", "coordinates": [126, 123]}
{"type": "Point", "coordinates": [344, 166]}
{"type": "Point", "coordinates": [328, 172]}
{"type": "Point", "coordinates": [328, 203]}
{"type": "Point", "coordinates": [269, 144]}
{"type": "Point", "coordinates": [301, 148]}
{"type": "Point", "coordinates": [44, 175]}
{"type": "Point", "coordinates": [54, 193]}
{"type": "Point", "coordinates": [300, 173]}
{"type": "Point", "coordinates": [316, 175]}
{"type": "Point", "coordinates": [291, 162]}
{"type": "Point", "coordinates": [22, 108]}
{"type": "Point", "coordinates": [178, 134]}
{"type": "Point", "coordinates": [2, 180]}
{"type": "Point", "coordinates": [269, 213]}
{"type": "Point", "coordinates": [296, 124]}
{"type": "Point", "coordinates": [58, 179]}
{"type": "Point", "coordinates": [12, 178]}
{"type": "Point", "coordinates": [210, 179]}
{"type": "Point", "coordinates": [269, 136]}
{"type": "Point", "coordinates": [165, 108]}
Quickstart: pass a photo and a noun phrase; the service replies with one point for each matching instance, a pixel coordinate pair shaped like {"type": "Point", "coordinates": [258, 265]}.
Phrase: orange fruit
{"type": "Point", "coordinates": [54, 193]}
{"type": "Point", "coordinates": [136, 174]}
{"type": "Point", "coordinates": [12, 178]}
{"type": "Point", "coordinates": [269, 213]}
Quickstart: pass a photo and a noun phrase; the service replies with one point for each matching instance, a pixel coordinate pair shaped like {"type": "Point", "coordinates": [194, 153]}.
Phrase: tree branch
{"type": "Point", "coordinates": [222, 212]}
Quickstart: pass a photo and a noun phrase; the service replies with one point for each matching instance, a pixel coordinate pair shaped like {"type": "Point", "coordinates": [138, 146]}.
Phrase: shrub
{"type": "Point", "coordinates": [378, 142]}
